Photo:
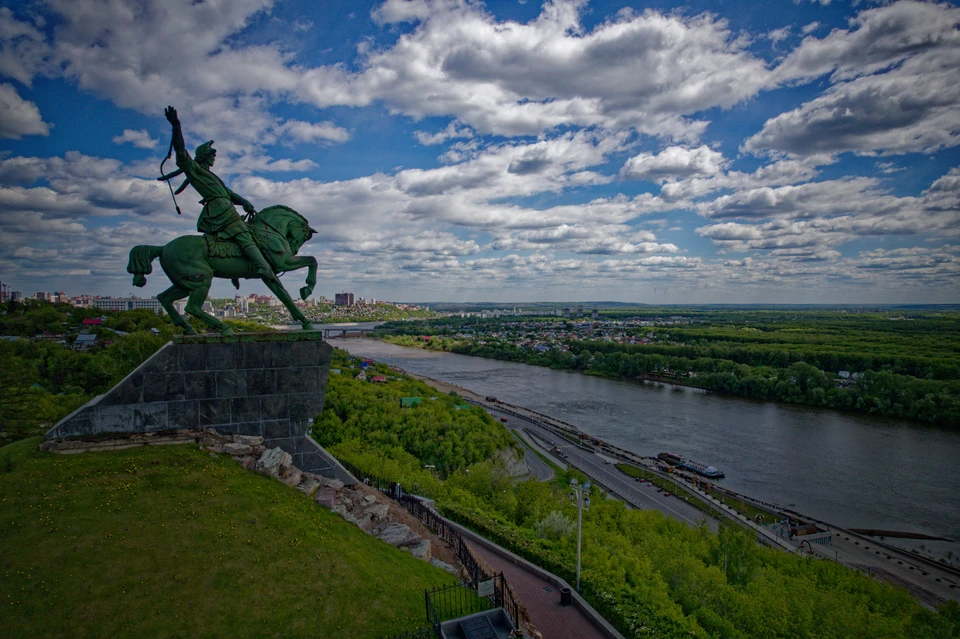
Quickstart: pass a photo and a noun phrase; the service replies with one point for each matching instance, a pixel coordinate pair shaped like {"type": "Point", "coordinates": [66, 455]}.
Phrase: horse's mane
{"type": "Point", "coordinates": [277, 208]}
{"type": "Point", "coordinates": [296, 235]}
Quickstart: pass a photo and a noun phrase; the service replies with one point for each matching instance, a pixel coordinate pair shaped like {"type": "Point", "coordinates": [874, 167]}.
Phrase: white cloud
{"type": "Point", "coordinates": [23, 50]}
{"type": "Point", "coordinates": [314, 131]}
{"type": "Point", "coordinates": [138, 138]}
{"type": "Point", "coordinates": [896, 75]}
{"type": "Point", "coordinates": [646, 71]}
{"type": "Point", "coordinates": [909, 109]}
{"type": "Point", "coordinates": [672, 163]}
{"type": "Point", "coordinates": [393, 11]}
{"type": "Point", "coordinates": [778, 35]}
{"type": "Point", "coordinates": [878, 38]}
{"type": "Point", "coordinates": [452, 131]}
{"type": "Point", "coordinates": [19, 117]}
{"type": "Point", "coordinates": [818, 215]}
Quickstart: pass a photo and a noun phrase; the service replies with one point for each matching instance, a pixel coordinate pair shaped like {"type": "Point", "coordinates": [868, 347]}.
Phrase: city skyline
{"type": "Point", "coordinates": [457, 151]}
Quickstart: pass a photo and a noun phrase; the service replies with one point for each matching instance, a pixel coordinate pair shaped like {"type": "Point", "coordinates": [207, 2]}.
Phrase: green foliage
{"type": "Point", "coordinates": [648, 575]}
{"type": "Point", "coordinates": [168, 542]}
{"type": "Point", "coordinates": [44, 380]}
{"type": "Point", "coordinates": [554, 527]}
{"type": "Point", "coordinates": [909, 361]}
{"type": "Point", "coordinates": [434, 431]}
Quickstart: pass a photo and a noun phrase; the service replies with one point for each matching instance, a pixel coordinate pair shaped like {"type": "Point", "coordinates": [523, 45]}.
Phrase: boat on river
{"type": "Point", "coordinates": [692, 464]}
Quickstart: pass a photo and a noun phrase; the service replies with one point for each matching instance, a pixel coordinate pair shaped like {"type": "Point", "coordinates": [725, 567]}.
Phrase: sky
{"type": "Point", "coordinates": [448, 150]}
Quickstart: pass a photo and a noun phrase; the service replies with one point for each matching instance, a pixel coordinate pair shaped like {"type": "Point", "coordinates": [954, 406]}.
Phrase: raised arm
{"type": "Point", "coordinates": [183, 158]}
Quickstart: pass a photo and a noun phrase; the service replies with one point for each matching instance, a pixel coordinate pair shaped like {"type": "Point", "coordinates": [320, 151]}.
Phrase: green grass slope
{"type": "Point", "coordinates": [169, 542]}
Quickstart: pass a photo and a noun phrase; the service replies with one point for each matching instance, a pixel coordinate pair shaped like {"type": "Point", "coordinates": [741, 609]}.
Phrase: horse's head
{"type": "Point", "coordinates": [287, 222]}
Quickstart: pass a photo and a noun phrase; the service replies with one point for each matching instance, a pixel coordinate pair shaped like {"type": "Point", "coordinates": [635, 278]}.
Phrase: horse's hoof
{"type": "Point", "coordinates": [305, 293]}
{"type": "Point", "coordinates": [307, 326]}
{"type": "Point", "coordinates": [189, 331]}
{"type": "Point", "coordinates": [226, 330]}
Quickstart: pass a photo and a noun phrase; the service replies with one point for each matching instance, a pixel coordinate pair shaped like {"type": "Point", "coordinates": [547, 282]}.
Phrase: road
{"type": "Point", "coordinates": [538, 468]}
{"type": "Point", "coordinates": [931, 584]}
{"type": "Point", "coordinates": [639, 495]}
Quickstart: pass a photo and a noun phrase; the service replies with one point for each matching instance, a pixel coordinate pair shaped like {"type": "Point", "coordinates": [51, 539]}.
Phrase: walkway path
{"type": "Point", "coordinates": [541, 599]}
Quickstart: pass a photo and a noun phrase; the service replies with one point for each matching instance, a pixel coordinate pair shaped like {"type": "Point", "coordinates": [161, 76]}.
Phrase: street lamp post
{"type": "Point", "coordinates": [580, 495]}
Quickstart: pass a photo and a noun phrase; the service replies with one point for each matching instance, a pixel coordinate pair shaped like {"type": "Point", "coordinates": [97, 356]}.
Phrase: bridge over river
{"type": "Point", "coordinates": [349, 331]}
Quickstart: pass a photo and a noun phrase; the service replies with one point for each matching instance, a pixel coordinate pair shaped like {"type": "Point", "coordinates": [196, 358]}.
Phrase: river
{"type": "Point", "coordinates": [849, 470]}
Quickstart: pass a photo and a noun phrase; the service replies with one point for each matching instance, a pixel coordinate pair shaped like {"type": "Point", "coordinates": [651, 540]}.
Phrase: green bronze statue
{"type": "Point", "coordinates": [230, 248]}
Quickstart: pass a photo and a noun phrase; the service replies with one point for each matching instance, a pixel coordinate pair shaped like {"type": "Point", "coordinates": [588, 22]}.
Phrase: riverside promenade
{"type": "Point", "coordinates": [932, 583]}
{"type": "Point", "coordinates": [541, 599]}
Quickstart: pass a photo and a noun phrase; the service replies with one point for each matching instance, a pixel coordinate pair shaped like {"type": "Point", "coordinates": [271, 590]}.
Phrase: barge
{"type": "Point", "coordinates": [691, 464]}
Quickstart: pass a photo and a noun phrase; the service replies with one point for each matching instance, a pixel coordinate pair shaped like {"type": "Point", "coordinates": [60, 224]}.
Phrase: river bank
{"type": "Point", "coordinates": [867, 473]}
{"type": "Point", "coordinates": [931, 582]}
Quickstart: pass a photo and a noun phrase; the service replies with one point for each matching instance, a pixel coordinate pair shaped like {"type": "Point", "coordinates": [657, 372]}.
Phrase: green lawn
{"type": "Point", "coordinates": [671, 487]}
{"type": "Point", "coordinates": [747, 510]}
{"type": "Point", "coordinates": [169, 542]}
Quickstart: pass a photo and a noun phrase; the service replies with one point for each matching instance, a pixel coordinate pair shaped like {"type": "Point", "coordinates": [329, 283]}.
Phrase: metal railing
{"type": "Point", "coordinates": [450, 602]}
{"type": "Point", "coordinates": [502, 596]}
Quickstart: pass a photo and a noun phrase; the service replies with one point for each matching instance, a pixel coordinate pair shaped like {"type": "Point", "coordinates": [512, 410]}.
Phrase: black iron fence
{"type": "Point", "coordinates": [450, 602]}
{"type": "Point", "coordinates": [391, 488]}
{"type": "Point", "coordinates": [446, 601]}
{"type": "Point", "coordinates": [427, 632]}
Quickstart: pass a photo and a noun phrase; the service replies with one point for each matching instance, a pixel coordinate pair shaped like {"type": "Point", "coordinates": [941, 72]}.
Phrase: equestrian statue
{"type": "Point", "coordinates": [231, 248]}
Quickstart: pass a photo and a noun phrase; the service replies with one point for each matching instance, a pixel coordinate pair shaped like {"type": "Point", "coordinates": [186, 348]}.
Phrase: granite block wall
{"type": "Point", "coordinates": [267, 385]}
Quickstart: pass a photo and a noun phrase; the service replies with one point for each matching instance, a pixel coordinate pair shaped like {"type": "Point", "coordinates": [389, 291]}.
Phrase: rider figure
{"type": "Point", "coordinates": [218, 216]}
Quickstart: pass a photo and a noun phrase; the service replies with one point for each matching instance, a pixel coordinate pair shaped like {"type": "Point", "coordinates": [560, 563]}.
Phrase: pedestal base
{"type": "Point", "coordinates": [262, 384]}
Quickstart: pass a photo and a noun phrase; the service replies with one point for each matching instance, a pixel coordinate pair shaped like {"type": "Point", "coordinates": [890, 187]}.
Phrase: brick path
{"type": "Point", "coordinates": [551, 619]}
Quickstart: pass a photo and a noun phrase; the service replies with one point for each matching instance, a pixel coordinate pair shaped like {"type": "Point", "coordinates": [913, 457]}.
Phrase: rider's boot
{"type": "Point", "coordinates": [264, 271]}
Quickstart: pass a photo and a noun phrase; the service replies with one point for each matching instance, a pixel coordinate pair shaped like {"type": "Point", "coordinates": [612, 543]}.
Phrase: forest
{"type": "Point", "coordinates": [43, 379]}
{"type": "Point", "coordinates": [901, 364]}
{"type": "Point", "coordinates": [648, 575]}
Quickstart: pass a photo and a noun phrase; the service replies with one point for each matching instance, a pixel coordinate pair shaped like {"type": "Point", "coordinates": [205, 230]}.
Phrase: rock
{"type": "Point", "coordinates": [339, 509]}
{"type": "Point", "coordinates": [422, 550]}
{"type": "Point", "coordinates": [211, 436]}
{"type": "Point", "coordinates": [399, 535]}
{"type": "Point", "coordinates": [214, 455]}
{"type": "Point", "coordinates": [363, 522]}
{"type": "Point", "coordinates": [290, 475]}
{"type": "Point", "coordinates": [326, 497]}
{"type": "Point", "coordinates": [272, 460]}
{"type": "Point", "coordinates": [335, 484]}
{"type": "Point", "coordinates": [247, 461]}
{"type": "Point", "coordinates": [377, 511]}
{"type": "Point", "coordinates": [215, 449]}
{"type": "Point", "coordinates": [249, 440]}
{"type": "Point", "coordinates": [308, 485]}
{"type": "Point", "coordinates": [442, 565]}
{"type": "Point", "coordinates": [237, 450]}
{"type": "Point", "coordinates": [347, 501]}
{"type": "Point", "coordinates": [369, 499]}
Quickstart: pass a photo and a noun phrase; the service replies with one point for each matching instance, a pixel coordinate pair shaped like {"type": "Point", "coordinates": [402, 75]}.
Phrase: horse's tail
{"type": "Point", "coordinates": [141, 262]}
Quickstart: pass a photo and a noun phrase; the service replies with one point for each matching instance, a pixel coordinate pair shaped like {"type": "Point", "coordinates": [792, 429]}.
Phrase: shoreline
{"type": "Point", "coordinates": [845, 540]}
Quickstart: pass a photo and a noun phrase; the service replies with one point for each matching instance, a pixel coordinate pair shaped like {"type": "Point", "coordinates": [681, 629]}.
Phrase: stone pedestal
{"type": "Point", "coordinates": [261, 384]}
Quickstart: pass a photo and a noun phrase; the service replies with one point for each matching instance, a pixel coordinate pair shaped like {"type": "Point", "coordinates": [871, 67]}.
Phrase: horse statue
{"type": "Point", "coordinates": [192, 261]}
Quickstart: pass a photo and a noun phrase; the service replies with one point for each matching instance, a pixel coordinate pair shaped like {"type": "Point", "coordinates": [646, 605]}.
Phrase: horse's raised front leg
{"type": "Point", "coordinates": [297, 262]}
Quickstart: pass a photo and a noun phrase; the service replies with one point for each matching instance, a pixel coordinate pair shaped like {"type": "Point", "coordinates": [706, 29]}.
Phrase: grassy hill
{"type": "Point", "coordinates": [169, 542]}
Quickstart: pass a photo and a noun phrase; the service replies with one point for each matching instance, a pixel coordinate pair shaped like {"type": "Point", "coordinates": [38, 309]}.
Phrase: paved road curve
{"type": "Point", "coordinates": [538, 468]}
{"type": "Point", "coordinates": [639, 495]}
